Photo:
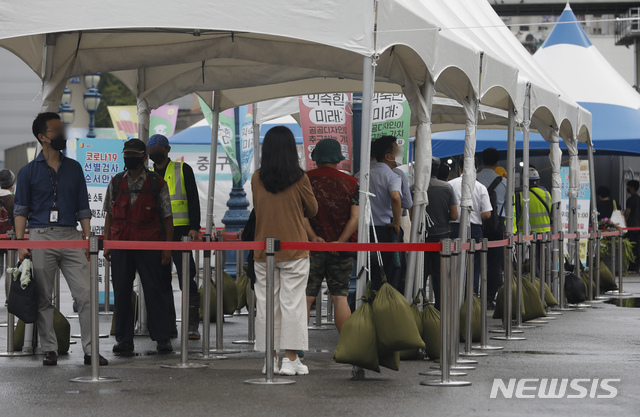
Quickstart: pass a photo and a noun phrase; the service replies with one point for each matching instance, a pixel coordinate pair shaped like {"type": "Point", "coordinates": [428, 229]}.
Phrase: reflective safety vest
{"type": "Point", "coordinates": [178, 193]}
{"type": "Point", "coordinates": [140, 221]}
{"type": "Point", "coordinates": [539, 217]}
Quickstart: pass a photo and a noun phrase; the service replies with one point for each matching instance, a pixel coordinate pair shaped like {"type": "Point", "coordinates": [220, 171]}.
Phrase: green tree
{"type": "Point", "coordinates": [114, 93]}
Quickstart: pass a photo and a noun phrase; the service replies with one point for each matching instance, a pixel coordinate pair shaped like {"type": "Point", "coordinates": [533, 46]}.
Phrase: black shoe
{"type": "Point", "coordinates": [491, 305]}
{"type": "Point", "coordinates": [103, 361]}
{"type": "Point", "coordinates": [123, 347]}
{"type": "Point", "coordinates": [174, 333]}
{"type": "Point", "coordinates": [164, 346]}
{"type": "Point", "coordinates": [50, 358]}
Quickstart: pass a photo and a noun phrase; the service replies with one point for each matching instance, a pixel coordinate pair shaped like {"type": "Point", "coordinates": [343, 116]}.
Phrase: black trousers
{"type": "Point", "coordinates": [392, 261]}
{"type": "Point", "coordinates": [176, 255]}
{"type": "Point", "coordinates": [432, 267]}
{"type": "Point", "coordinates": [124, 264]}
{"type": "Point", "coordinates": [495, 262]}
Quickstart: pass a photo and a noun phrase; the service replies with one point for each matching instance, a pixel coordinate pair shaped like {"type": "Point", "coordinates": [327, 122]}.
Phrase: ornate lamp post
{"type": "Point", "coordinates": [67, 114]}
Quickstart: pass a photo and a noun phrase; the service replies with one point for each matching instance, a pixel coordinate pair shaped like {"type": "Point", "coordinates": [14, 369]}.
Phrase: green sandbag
{"type": "Point", "coordinates": [431, 331]}
{"type": "Point", "coordinates": [242, 285]}
{"type": "Point", "coordinates": [134, 303]}
{"type": "Point", "coordinates": [531, 301]}
{"type": "Point", "coordinates": [396, 327]}
{"type": "Point", "coordinates": [607, 281]}
{"type": "Point", "coordinates": [549, 299]}
{"type": "Point", "coordinates": [61, 327]}
{"type": "Point", "coordinates": [476, 319]}
{"type": "Point", "coordinates": [412, 354]}
{"type": "Point", "coordinates": [585, 278]}
{"type": "Point", "coordinates": [499, 310]}
{"type": "Point", "coordinates": [391, 361]}
{"type": "Point", "coordinates": [213, 304]}
{"type": "Point", "coordinates": [357, 342]}
{"type": "Point", "coordinates": [229, 294]}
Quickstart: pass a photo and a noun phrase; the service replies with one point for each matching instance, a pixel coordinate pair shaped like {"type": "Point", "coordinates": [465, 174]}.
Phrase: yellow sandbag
{"type": "Point", "coordinates": [549, 299]}
{"type": "Point", "coordinates": [357, 344]}
{"type": "Point", "coordinates": [476, 318]}
{"type": "Point", "coordinates": [431, 331]}
{"type": "Point", "coordinates": [412, 354]}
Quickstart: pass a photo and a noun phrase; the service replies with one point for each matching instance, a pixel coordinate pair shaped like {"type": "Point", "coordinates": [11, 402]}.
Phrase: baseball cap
{"type": "Point", "coordinates": [134, 145]}
{"type": "Point", "coordinates": [158, 140]}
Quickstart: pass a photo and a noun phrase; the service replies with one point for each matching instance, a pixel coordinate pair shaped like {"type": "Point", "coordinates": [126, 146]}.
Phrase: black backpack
{"type": "Point", "coordinates": [491, 225]}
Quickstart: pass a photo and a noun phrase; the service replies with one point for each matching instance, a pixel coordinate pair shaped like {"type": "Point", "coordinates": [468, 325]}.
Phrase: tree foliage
{"type": "Point", "coordinates": [114, 93]}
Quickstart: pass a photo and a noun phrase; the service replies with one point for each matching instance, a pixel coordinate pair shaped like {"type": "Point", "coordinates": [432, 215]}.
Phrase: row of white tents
{"type": "Point", "coordinates": [452, 59]}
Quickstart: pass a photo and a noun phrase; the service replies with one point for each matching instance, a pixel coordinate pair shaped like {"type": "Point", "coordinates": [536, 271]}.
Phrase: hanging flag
{"type": "Point", "coordinates": [392, 117]}
{"type": "Point", "coordinates": [125, 120]}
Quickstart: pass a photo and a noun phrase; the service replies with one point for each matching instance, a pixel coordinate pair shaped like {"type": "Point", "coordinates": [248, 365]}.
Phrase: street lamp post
{"type": "Point", "coordinates": [91, 100]}
{"type": "Point", "coordinates": [67, 114]}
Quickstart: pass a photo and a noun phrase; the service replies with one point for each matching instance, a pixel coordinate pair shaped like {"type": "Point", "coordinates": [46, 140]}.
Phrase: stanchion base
{"type": "Point", "coordinates": [186, 365]}
{"type": "Point", "coordinates": [537, 321]}
{"type": "Point", "coordinates": [10, 354]}
{"type": "Point", "coordinates": [553, 313]}
{"type": "Point", "coordinates": [456, 368]}
{"type": "Point", "coordinates": [223, 351]}
{"type": "Point", "coordinates": [319, 328]}
{"type": "Point", "coordinates": [563, 309]}
{"type": "Point", "coordinates": [580, 305]}
{"type": "Point", "coordinates": [602, 298]}
{"type": "Point", "coordinates": [522, 327]}
{"type": "Point", "coordinates": [265, 381]}
{"type": "Point", "coordinates": [243, 342]}
{"type": "Point", "coordinates": [508, 338]}
{"type": "Point", "coordinates": [102, 336]}
{"type": "Point", "coordinates": [106, 313]}
{"type": "Point", "coordinates": [91, 379]}
{"type": "Point", "coordinates": [617, 293]}
{"type": "Point", "coordinates": [487, 347]}
{"type": "Point", "coordinates": [473, 354]}
{"type": "Point", "coordinates": [465, 362]}
{"type": "Point", "coordinates": [439, 373]}
{"type": "Point", "coordinates": [594, 301]}
{"type": "Point", "coordinates": [72, 316]}
{"type": "Point", "coordinates": [440, 383]}
{"type": "Point", "coordinates": [202, 357]}
{"type": "Point", "coordinates": [515, 331]}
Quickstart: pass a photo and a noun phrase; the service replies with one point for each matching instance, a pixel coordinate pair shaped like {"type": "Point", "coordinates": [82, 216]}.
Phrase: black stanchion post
{"type": "Point", "coordinates": [184, 319]}
{"type": "Point", "coordinates": [269, 342]}
{"type": "Point", "coordinates": [447, 272]}
{"type": "Point", "coordinates": [11, 263]}
{"type": "Point", "coordinates": [94, 249]}
{"type": "Point", "coordinates": [483, 299]}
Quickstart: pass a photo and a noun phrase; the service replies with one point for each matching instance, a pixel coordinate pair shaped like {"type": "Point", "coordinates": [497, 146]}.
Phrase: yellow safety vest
{"type": "Point", "coordinates": [539, 217]}
{"type": "Point", "coordinates": [178, 193]}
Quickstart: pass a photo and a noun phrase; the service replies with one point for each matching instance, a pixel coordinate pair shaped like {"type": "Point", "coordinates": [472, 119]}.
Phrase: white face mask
{"type": "Point", "coordinates": [399, 160]}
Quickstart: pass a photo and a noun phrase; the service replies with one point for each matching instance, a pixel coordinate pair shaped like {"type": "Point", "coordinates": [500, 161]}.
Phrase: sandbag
{"type": "Point", "coordinates": [476, 319]}
{"type": "Point", "coordinates": [607, 281]}
{"type": "Point", "coordinates": [533, 307]}
{"type": "Point", "coordinates": [357, 344]}
{"type": "Point", "coordinates": [390, 361]}
{"type": "Point", "coordinates": [549, 299]}
{"type": "Point", "coordinates": [431, 331]}
{"type": "Point", "coordinates": [499, 310]}
{"type": "Point", "coordinates": [585, 278]}
{"type": "Point", "coordinates": [412, 354]}
{"type": "Point", "coordinates": [242, 286]}
{"type": "Point", "coordinates": [229, 294]}
{"type": "Point", "coordinates": [396, 327]}
{"type": "Point", "coordinates": [574, 289]}
{"type": "Point", "coordinates": [61, 327]}
{"type": "Point", "coordinates": [213, 304]}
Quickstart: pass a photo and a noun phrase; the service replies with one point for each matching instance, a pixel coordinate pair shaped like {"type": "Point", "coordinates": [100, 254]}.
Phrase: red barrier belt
{"type": "Point", "coordinates": [44, 244]}
{"type": "Point", "coordinates": [607, 234]}
{"type": "Point", "coordinates": [632, 229]}
{"type": "Point", "coordinates": [498, 243]}
{"type": "Point", "coordinates": [371, 247]}
{"type": "Point", "coordinates": [178, 246]}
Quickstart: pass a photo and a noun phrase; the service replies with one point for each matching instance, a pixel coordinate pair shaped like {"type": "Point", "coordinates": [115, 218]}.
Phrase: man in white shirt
{"type": "Point", "coordinates": [481, 210]}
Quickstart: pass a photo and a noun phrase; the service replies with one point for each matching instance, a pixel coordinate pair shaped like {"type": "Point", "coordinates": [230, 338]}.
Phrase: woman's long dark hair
{"type": "Point", "coordinates": [279, 167]}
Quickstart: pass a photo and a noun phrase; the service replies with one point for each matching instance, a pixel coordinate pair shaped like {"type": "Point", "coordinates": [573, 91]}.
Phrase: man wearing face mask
{"type": "Point", "coordinates": [52, 194]}
{"type": "Point", "coordinates": [386, 210]}
{"type": "Point", "coordinates": [185, 205]}
{"type": "Point", "coordinates": [138, 207]}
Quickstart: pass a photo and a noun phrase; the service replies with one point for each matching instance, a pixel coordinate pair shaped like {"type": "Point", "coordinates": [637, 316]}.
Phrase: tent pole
{"type": "Point", "coordinates": [368, 80]}
{"type": "Point", "coordinates": [592, 187]}
{"type": "Point", "coordinates": [143, 108]}
{"type": "Point", "coordinates": [525, 160]}
{"type": "Point", "coordinates": [215, 117]}
{"type": "Point", "coordinates": [422, 155]}
{"type": "Point", "coordinates": [256, 139]}
{"type": "Point", "coordinates": [555, 157]}
{"type": "Point", "coordinates": [572, 147]}
{"type": "Point", "coordinates": [511, 171]}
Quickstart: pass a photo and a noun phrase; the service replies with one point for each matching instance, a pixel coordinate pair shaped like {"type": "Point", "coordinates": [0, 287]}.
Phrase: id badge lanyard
{"type": "Point", "coordinates": [54, 211]}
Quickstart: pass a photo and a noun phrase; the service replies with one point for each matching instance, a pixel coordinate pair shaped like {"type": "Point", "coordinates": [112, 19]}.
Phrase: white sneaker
{"type": "Point", "coordinates": [291, 368]}
{"type": "Point", "coordinates": [275, 367]}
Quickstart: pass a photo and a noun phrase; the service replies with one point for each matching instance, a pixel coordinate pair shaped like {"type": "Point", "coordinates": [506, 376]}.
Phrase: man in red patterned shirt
{"type": "Point", "coordinates": [336, 221]}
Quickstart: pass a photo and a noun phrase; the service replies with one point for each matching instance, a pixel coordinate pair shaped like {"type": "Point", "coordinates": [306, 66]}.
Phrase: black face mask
{"type": "Point", "coordinates": [59, 142]}
{"type": "Point", "coordinates": [133, 162]}
{"type": "Point", "coordinates": [157, 157]}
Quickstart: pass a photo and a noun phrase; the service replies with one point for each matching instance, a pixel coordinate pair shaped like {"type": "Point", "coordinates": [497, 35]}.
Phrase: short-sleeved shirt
{"type": "Point", "coordinates": [605, 208]}
{"type": "Point", "coordinates": [407, 200]}
{"type": "Point", "coordinates": [336, 192]}
{"type": "Point", "coordinates": [479, 200]}
{"type": "Point", "coordinates": [35, 197]}
{"type": "Point", "coordinates": [486, 178]}
{"type": "Point", "coordinates": [633, 203]}
{"type": "Point", "coordinates": [382, 182]}
{"type": "Point", "coordinates": [164, 201]}
{"type": "Point", "coordinates": [441, 198]}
